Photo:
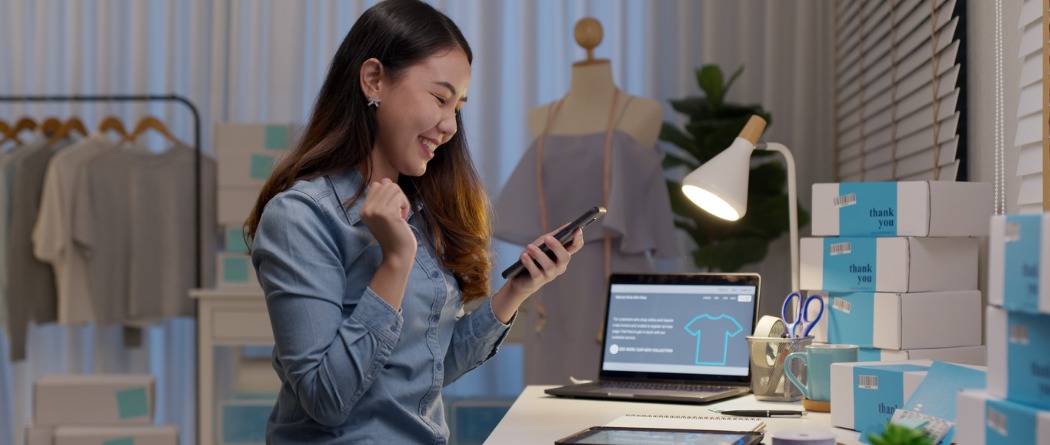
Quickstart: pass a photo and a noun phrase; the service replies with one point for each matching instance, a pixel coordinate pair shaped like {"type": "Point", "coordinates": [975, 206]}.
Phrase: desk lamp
{"type": "Point", "coordinates": [719, 186]}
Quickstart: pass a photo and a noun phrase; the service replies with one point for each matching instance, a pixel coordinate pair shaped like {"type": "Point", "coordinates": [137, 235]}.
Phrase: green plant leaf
{"type": "Point", "coordinates": [672, 134]}
{"type": "Point", "coordinates": [712, 82]}
{"type": "Point", "coordinates": [732, 254]}
{"type": "Point", "coordinates": [734, 76]}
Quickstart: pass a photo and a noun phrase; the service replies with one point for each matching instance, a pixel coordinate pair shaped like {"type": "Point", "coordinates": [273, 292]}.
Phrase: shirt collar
{"type": "Point", "coordinates": [347, 182]}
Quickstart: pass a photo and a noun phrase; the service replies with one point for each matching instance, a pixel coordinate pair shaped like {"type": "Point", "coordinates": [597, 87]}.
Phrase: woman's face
{"type": "Point", "coordinates": [418, 113]}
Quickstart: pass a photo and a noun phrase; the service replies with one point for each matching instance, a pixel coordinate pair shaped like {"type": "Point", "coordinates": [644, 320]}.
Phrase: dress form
{"type": "Point", "coordinates": [592, 88]}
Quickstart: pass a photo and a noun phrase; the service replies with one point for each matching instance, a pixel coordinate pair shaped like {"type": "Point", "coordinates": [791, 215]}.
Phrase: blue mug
{"type": "Point", "coordinates": [818, 360]}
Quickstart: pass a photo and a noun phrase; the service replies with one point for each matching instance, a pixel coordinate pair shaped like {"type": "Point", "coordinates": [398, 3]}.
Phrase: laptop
{"type": "Point", "coordinates": [674, 338]}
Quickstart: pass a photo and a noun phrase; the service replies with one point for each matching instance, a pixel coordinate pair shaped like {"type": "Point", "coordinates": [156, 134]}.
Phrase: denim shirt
{"type": "Point", "coordinates": [352, 368]}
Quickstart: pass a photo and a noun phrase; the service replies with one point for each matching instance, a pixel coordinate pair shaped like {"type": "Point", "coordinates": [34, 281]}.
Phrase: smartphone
{"type": "Point", "coordinates": [563, 236]}
{"type": "Point", "coordinates": [607, 435]}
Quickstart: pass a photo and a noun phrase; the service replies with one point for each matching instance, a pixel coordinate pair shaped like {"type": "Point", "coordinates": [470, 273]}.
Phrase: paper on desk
{"type": "Point", "coordinates": [714, 423]}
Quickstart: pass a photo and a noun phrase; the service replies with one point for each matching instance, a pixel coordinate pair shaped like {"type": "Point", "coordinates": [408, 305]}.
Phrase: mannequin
{"type": "Point", "coordinates": [592, 89]}
{"type": "Point", "coordinates": [595, 146]}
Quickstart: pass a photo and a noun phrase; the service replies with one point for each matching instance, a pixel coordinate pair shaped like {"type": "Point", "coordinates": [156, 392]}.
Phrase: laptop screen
{"type": "Point", "coordinates": [680, 326]}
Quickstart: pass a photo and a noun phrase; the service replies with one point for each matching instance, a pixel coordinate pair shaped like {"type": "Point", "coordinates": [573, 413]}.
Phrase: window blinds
{"type": "Point", "coordinates": [1028, 140]}
{"type": "Point", "coordinates": [897, 89]}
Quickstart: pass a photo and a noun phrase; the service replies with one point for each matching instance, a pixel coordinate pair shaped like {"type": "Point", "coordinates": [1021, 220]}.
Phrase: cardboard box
{"type": "Point", "coordinates": [1019, 356]}
{"type": "Point", "coordinates": [901, 320]}
{"type": "Point", "coordinates": [234, 240]}
{"type": "Point", "coordinates": [235, 204]}
{"type": "Point", "coordinates": [907, 264]}
{"type": "Point", "coordinates": [912, 208]}
{"type": "Point", "coordinates": [984, 419]}
{"type": "Point", "coordinates": [39, 435]}
{"type": "Point", "coordinates": [864, 394]}
{"type": "Point", "coordinates": [1019, 259]}
{"type": "Point", "coordinates": [966, 355]}
{"type": "Point", "coordinates": [117, 435]}
{"type": "Point", "coordinates": [272, 136]}
{"type": "Point", "coordinates": [235, 271]}
{"type": "Point", "coordinates": [97, 399]}
{"type": "Point", "coordinates": [246, 167]}
{"type": "Point", "coordinates": [244, 420]}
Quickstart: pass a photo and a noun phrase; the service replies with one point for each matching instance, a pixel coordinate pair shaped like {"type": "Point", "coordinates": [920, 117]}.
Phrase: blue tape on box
{"type": "Point", "coordinates": [260, 167]}
{"type": "Point", "coordinates": [235, 241]}
{"type": "Point", "coordinates": [1021, 262]}
{"type": "Point", "coordinates": [877, 392]}
{"type": "Point", "coordinates": [1027, 362]}
{"type": "Point", "coordinates": [851, 318]}
{"type": "Point", "coordinates": [132, 402]}
{"type": "Point", "coordinates": [850, 263]}
{"type": "Point", "coordinates": [1009, 423]}
{"type": "Point", "coordinates": [276, 136]}
{"type": "Point", "coordinates": [874, 211]}
{"type": "Point", "coordinates": [120, 441]}
{"type": "Point", "coordinates": [936, 395]}
{"type": "Point", "coordinates": [235, 270]}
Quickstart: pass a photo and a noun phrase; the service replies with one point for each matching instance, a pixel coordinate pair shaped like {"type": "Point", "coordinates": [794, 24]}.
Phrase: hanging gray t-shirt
{"type": "Point", "coordinates": [134, 219]}
{"type": "Point", "coordinates": [31, 293]}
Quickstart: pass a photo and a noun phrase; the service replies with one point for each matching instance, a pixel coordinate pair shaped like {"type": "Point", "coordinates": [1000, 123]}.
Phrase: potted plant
{"type": "Point", "coordinates": [900, 435]}
{"type": "Point", "coordinates": [711, 127]}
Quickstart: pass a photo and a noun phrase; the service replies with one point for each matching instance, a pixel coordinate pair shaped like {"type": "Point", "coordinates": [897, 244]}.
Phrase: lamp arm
{"type": "Point", "coordinates": [792, 206]}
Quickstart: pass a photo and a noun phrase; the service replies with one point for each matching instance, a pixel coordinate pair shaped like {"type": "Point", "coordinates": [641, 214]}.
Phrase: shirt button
{"type": "Point", "coordinates": [438, 366]}
{"type": "Point", "coordinates": [434, 318]}
{"type": "Point", "coordinates": [435, 274]}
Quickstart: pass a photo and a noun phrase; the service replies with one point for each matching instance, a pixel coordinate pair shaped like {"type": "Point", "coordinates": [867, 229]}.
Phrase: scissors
{"type": "Point", "coordinates": [800, 323]}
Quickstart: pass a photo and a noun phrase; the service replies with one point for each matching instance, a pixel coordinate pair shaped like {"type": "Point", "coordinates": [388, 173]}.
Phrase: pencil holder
{"type": "Point", "coordinates": [768, 381]}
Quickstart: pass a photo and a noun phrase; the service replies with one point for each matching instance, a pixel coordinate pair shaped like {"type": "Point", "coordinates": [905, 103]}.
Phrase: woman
{"type": "Point", "coordinates": [372, 234]}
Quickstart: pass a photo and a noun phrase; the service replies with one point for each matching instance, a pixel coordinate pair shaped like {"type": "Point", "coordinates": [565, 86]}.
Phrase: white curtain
{"type": "Point", "coordinates": [264, 60]}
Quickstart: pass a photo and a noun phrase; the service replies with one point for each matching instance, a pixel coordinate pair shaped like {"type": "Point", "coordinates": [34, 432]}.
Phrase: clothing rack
{"type": "Point", "coordinates": [146, 98]}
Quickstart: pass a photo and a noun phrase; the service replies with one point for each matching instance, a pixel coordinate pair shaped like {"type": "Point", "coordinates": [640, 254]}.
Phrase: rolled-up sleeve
{"type": "Point", "coordinates": [330, 345]}
{"type": "Point", "coordinates": [475, 340]}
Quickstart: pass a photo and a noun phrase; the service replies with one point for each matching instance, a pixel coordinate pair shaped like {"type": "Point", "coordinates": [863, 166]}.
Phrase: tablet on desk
{"type": "Point", "coordinates": [610, 435]}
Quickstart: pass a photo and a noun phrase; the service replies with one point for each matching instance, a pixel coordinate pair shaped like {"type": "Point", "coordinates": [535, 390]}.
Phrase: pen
{"type": "Point", "coordinates": [762, 413]}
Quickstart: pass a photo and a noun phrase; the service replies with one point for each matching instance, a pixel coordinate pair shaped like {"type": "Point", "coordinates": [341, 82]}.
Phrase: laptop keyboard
{"type": "Point", "coordinates": [665, 386]}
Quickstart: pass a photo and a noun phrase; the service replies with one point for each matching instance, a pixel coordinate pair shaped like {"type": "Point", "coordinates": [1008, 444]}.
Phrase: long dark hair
{"type": "Point", "coordinates": [342, 131]}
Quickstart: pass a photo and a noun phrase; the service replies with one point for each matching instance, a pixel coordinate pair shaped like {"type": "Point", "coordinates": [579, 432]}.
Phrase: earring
{"type": "Point", "coordinates": [374, 102]}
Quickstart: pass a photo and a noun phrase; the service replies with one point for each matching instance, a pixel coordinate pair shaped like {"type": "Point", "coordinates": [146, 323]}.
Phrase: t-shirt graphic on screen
{"type": "Point", "coordinates": [708, 330]}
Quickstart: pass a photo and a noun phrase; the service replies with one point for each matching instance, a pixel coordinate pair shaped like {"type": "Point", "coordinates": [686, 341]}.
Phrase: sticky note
{"type": "Point", "coordinates": [276, 136]}
{"type": "Point", "coordinates": [260, 167]}
{"type": "Point", "coordinates": [132, 402]}
{"type": "Point", "coordinates": [235, 269]}
{"type": "Point", "coordinates": [120, 441]}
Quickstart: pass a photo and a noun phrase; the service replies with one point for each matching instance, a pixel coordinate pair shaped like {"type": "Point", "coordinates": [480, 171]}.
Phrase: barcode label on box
{"type": "Point", "coordinates": [1019, 334]}
{"type": "Point", "coordinates": [997, 421]}
{"type": "Point", "coordinates": [1013, 232]}
{"type": "Point", "coordinates": [845, 200]}
{"type": "Point", "coordinates": [841, 305]}
{"type": "Point", "coordinates": [868, 382]}
{"type": "Point", "coordinates": [841, 249]}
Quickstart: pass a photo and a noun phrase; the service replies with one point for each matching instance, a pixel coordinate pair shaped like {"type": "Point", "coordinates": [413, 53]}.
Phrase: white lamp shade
{"type": "Point", "coordinates": [719, 186]}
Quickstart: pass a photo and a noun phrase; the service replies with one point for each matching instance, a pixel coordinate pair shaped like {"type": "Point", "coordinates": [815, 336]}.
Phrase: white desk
{"type": "Point", "coordinates": [225, 317]}
{"type": "Point", "coordinates": [536, 418]}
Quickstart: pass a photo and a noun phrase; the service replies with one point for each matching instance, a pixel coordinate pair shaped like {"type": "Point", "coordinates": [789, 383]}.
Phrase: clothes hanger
{"type": "Point", "coordinates": [25, 123]}
{"type": "Point", "coordinates": [72, 124]}
{"type": "Point", "coordinates": [115, 124]}
{"type": "Point", "coordinates": [151, 123]}
{"type": "Point", "coordinates": [50, 125]}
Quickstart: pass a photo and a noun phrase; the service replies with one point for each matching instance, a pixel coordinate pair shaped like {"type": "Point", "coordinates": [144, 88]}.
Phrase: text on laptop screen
{"type": "Point", "coordinates": [679, 328]}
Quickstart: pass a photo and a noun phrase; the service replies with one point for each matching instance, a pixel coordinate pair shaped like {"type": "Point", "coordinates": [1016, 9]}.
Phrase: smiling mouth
{"type": "Point", "coordinates": [429, 146]}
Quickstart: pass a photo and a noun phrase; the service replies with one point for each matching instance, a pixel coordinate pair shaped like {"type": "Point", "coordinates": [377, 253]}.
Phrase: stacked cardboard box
{"type": "Point", "coordinates": [246, 155]}
{"type": "Point", "coordinates": [1015, 409]}
{"type": "Point", "coordinates": [98, 409]}
{"type": "Point", "coordinates": [896, 265]}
